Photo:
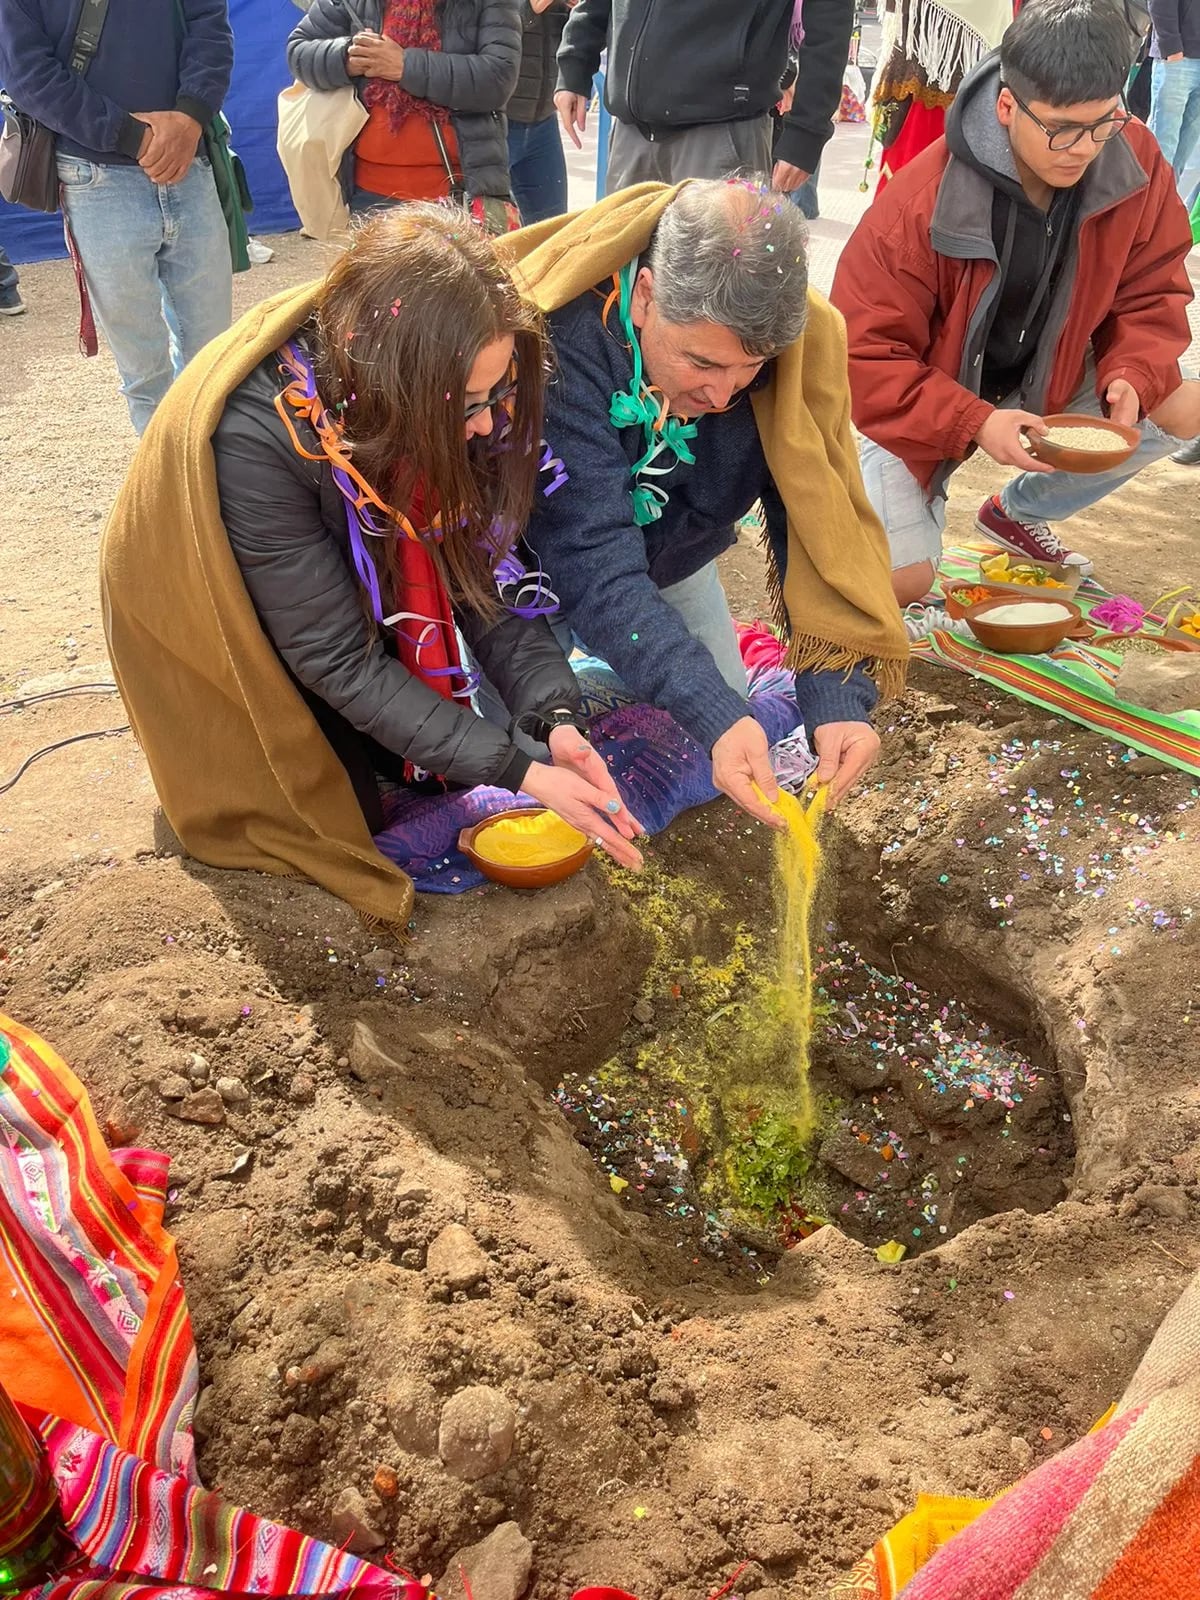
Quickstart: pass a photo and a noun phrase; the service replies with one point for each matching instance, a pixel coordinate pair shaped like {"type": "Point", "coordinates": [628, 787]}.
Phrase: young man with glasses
{"type": "Point", "coordinates": [1031, 262]}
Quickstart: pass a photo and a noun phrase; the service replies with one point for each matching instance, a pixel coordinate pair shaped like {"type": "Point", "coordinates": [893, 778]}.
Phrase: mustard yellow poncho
{"type": "Point", "coordinates": [244, 775]}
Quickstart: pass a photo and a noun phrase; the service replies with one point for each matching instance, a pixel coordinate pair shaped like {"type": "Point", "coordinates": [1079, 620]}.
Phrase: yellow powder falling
{"type": "Point", "coordinates": [797, 870]}
{"type": "Point", "coordinates": [534, 840]}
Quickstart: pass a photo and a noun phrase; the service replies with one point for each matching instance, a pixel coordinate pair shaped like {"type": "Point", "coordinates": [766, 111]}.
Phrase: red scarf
{"type": "Point", "coordinates": [427, 641]}
{"type": "Point", "coordinates": [412, 25]}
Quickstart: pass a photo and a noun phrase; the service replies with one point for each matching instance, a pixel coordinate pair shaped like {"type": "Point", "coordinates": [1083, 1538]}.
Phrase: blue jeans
{"type": "Point", "coordinates": [538, 168]}
{"type": "Point", "coordinates": [805, 197]}
{"type": "Point", "coordinates": [8, 273]}
{"type": "Point", "coordinates": [1175, 110]}
{"type": "Point", "coordinates": [363, 200]}
{"type": "Point", "coordinates": [156, 260]}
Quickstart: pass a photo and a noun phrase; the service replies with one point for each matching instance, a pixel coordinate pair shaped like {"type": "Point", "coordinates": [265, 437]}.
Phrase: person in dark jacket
{"type": "Point", "coordinates": [691, 87]}
{"type": "Point", "coordinates": [1175, 85]}
{"type": "Point", "coordinates": [434, 75]}
{"type": "Point", "coordinates": [535, 152]}
{"type": "Point", "coordinates": [651, 405]}
{"type": "Point", "coordinates": [374, 520]}
{"type": "Point", "coordinates": [137, 189]}
{"type": "Point", "coordinates": [1032, 262]}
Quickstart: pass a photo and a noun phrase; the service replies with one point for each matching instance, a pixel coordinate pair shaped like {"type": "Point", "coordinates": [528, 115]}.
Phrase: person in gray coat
{"type": "Point", "coordinates": [434, 75]}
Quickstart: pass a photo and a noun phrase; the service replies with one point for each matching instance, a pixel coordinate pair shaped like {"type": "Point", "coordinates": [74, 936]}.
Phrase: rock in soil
{"type": "Point", "coordinates": [455, 1259]}
{"type": "Point", "coordinates": [497, 1568]}
{"type": "Point", "coordinates": [352, 1526]}
{"type": "Point", "coordinates": [205, 1105]}
{"type": "Point", "coordinates": [476, 1433]}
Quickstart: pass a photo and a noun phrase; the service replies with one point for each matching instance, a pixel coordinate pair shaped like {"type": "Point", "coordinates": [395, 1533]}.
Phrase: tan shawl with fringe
{"type": "Point", "coordinates": [244, 776]}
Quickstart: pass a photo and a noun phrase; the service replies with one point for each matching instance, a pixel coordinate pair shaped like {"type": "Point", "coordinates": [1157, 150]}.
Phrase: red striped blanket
{"type": "Point", "coordinates": [1114, 1517]}
{"type": "Point", "coordinates": [96, 1349]}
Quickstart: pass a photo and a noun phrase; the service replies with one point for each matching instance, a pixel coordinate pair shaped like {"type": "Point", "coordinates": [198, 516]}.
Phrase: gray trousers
{"type": "Point", "coordinates": [709, 152]}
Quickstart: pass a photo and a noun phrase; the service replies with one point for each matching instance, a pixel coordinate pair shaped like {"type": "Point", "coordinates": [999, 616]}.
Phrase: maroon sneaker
{"type": "Point", "coordinates": [1033, 541]}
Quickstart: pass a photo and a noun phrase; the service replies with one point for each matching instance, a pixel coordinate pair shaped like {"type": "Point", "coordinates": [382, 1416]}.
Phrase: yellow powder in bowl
{"type": "Point", "coordinates": [534, 840]}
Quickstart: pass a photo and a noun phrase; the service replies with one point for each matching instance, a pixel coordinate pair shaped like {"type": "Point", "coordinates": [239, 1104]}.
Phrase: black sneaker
{"type": "Point", "coordinates": [1189, 456]}
{"type": "Point", "coordinates": [11, 304]}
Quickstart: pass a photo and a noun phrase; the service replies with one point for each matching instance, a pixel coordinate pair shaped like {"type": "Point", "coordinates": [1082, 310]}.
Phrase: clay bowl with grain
{"type": "Point", "coordinates": [1023, 638]}
{"type": "Point", "coordinates": [540, 876]}
{"type": "Point", "coordinates": [1089, 455]}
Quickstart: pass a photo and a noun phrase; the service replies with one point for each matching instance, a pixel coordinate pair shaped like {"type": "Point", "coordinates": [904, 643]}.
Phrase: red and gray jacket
{"type": "Point", "coordinates": [919, 280]}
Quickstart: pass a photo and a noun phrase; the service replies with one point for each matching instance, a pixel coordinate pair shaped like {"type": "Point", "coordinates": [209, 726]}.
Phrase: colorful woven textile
{"type": "Point", "coordinates": [1075, 681]}
{"type": "Point", "coordinates": [1115, 1517]}
{"type": "Point", "coordinates": [96, 1349]}
{"type": "Point", "coordinates": [659, 771]}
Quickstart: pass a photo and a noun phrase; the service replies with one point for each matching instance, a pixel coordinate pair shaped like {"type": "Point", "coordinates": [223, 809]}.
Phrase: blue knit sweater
{"type": "Point", "coordinates": [608, 572]}
{"type": "Point", "coordinates": [147, 61]}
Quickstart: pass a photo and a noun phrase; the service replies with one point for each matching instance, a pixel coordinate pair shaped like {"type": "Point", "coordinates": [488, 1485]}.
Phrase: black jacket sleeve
{"type": "Point", "coordinates": [583, 43]}
{"type": "Point", "coordinates": [309, 603]}
{"type": "Point", "coordinates": [481, 80]}
{"type": "Point", "coordinates": [205, 59]}
{"type": "Point", "coordinates": [524, 661]}
{"type": "Point", "coordinates": [316, 50]}
{"type": "Point", "coordinates": [808, 126]}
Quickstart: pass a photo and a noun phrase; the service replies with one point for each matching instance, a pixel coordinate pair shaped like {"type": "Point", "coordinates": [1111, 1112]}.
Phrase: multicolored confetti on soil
{"type": "Point", "coordinates": [640, 1147]}
{"type": "Point", "coordinates": [891, 1016]}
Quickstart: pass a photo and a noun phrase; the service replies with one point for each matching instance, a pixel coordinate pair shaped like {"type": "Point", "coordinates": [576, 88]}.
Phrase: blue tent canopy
{"type": "Point", "coordinates": [260, 31]}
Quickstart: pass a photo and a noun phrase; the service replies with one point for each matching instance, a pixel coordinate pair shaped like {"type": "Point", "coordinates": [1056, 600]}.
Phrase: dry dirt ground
{"type": "Point", "coordinates": [423, 1310]}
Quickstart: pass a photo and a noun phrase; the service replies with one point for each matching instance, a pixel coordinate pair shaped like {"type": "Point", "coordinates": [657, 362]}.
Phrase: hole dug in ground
{"type": "Point", "coordinates": [928, 1106]}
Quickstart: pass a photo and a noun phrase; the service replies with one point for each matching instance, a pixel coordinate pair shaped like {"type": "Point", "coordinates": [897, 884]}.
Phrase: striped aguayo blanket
{"type": "Point", "coordinates": [96, 1349]}
{"type": "Point", "coordinates": [1114, 1517]}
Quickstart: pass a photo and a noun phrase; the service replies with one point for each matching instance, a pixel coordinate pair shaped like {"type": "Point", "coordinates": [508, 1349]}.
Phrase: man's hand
{"type": "Point", "coordinates": [1178, 56]}
{"type": "Point", "coordinates": [785, 177]}
{"type": "Point", "coordinates": [741, 759]}
{"type": "Point", "coordinates": [845, 750]}
{"type": "Point", "coordinates": [372, 56]}
{"type": "Point", "coordinates": [1124, 403]}
{"type": "Point", "coordinates": [169, 147]}
{"type": "Point", "coordinates": [784, 104]}
{"type": "Point", "coordinates": [1000, 438]}
{"type": "Point", "coordinates": [572, 114]}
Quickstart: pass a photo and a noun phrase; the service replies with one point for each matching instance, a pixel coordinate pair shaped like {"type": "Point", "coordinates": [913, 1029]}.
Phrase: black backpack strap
{"type": "Point", "coordinates": [87, 34]}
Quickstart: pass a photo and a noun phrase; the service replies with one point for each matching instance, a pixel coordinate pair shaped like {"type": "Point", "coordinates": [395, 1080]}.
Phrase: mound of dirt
{"type": "Point", "coordinates": [425, 1313]}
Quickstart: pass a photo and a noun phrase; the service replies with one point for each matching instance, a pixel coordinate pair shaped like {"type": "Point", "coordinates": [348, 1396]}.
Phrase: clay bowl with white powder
{"type": "Point", "coordinates": [1022, 627]}
{"type": "Point", "coordinates": [1077, 443]}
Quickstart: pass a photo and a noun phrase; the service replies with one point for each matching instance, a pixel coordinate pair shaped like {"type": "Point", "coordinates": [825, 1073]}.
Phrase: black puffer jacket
{"type": "Point", "coordinates": [473, 74]}
{"type": "Point", "coordinates": [286, 522]}
{"type": "Point", "coordinates": [533, 98]}
{"type": "Point", "coordinates": [672, 65]}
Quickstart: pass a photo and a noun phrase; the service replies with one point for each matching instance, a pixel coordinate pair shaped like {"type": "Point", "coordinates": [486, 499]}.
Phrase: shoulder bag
{"type": "Point", "coordinates": [229, 176]}
{"type": "Point", "coordinates": [28, 164]}
{"type": "Point", "coordinates": [316, 128]}
{"type": "Point", "coordinates": [496, 214]}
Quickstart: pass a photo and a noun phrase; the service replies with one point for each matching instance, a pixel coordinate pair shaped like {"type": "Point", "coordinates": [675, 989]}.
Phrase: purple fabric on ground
{"type": "Point", "coordinates": [659, 772]}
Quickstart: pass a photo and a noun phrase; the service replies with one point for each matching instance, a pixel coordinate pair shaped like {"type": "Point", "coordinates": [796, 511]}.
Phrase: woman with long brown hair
{"type": "Point", "coordinates": [374, 475]}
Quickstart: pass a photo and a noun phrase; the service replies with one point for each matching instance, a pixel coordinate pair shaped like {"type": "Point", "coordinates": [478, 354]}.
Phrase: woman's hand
{"type": "Point", "coordinates": [570, 748]}
{"type": "Point", "coordinates": [586, 805]}
{"type": "Point", "coordinates": [372, 56]}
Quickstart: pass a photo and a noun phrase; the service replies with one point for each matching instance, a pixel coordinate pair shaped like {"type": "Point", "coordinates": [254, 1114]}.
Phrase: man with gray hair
{"type": "Point", "coordinates": [650, 414]}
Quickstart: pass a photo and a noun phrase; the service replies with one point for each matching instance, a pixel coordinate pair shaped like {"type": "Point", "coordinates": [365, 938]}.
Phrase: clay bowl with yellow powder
{"type": "Point", "coordinates": [525, 849]}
